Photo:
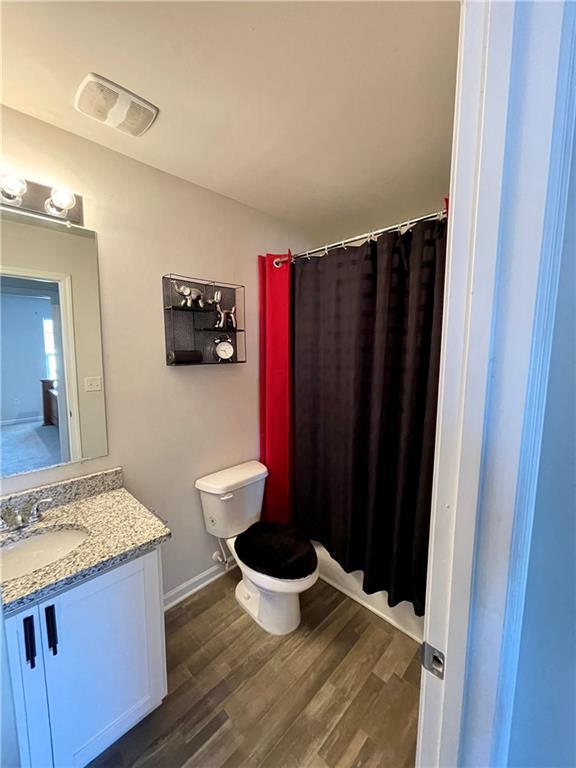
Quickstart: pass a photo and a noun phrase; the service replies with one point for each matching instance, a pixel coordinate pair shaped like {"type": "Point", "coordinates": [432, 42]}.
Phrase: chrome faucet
{"type": "Point", "coordinates": [12, 519]}
{"type": "Point", "coordinates": [35, 513]}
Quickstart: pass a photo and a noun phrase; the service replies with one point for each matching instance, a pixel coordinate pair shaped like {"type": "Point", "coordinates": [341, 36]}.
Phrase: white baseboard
{"type": "Point", "coordinates": [176, 595]}
{"type": "Point", "coordinates": [401, 616]}
{"type": "Point", "coordinates": [24, 420]}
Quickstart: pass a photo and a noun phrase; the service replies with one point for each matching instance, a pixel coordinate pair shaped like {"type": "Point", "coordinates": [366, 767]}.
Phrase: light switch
{"type": "Point", "coordinates": [93, 383]}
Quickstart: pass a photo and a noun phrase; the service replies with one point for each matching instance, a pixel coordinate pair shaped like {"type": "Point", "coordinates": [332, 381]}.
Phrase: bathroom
{"type": "Point", "coordinates": [277, 139]}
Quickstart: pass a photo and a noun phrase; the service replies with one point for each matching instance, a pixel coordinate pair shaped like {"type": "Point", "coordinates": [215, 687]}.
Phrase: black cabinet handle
{"type": "Point", "coordinates": [30, 641]}
{"type": "Point", "coordinates": [51, 629]}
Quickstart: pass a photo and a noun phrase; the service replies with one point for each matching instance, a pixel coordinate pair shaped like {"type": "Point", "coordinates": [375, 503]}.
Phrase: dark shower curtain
{"type": "Point", "coordinates": [367, 327]}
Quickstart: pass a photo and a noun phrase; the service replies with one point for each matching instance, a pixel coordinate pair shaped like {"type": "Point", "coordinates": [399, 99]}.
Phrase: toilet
{"type": "Point", "coordinates": [277, 563]}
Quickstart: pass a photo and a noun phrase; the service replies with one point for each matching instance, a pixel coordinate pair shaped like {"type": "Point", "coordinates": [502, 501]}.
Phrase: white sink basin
{"type": "Point", "coordinates": [26, 555]}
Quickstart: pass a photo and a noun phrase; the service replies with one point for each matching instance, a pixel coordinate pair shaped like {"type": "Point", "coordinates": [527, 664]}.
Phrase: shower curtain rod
{"type": "Point", "coordinates": [404, 225]}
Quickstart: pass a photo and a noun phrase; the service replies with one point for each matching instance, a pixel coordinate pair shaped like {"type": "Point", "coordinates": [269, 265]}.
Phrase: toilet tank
{"type": "Point", "coordinates": [232, 498]}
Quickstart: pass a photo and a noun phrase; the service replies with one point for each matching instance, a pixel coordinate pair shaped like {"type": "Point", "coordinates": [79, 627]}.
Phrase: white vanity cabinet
{"type": "Point", "coordinates": [88, 664]}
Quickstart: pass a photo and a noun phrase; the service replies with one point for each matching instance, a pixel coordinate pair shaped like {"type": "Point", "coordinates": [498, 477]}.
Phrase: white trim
{"type": "Point", "coordinates": [70, 374]}
{"type": "Point", "coordinates": [530, 185]}
{"type": "Point", "coordinates": [181, 592]}
{"type": "Point", "coordinates": [196, 583]}
{"type": "Point", "coordinates": [357, 599]}
{"type": "Point", "coordinates": [401, 616]}
{"type": "Point", "coordinates": [24, 420]}
{"type": "Point", "coordinates": [537, 387]}
{"type": "Point", "coordinates": [64, 282]}
{"type": "Point", "coordinates": [485, 51]}
{"type": "Point", "coordinates": [502, 182]}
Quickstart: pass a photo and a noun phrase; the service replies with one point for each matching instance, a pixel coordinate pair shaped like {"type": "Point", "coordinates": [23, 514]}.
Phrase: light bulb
{"type": "Point", "coordinates": [12, 188]}
{"type": "Point", "coordinates": [62, 198]}
{"type": "Point", "coordinates": [60, 202]}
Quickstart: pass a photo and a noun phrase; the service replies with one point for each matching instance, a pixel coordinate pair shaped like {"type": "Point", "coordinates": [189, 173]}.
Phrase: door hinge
{"type": "Point", "coordinates": [432, 660]}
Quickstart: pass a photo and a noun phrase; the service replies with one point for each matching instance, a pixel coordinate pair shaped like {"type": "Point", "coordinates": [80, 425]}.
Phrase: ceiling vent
{"type": "Point", "coordinates": [113, 105]}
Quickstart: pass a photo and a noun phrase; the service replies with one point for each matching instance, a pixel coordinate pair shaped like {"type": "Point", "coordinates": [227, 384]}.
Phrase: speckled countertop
{"type": "Point", "coordinates": [119, 529]}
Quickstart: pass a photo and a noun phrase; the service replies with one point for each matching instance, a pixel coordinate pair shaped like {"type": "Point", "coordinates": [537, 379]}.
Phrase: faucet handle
{"type": "Point", "coordinates": [10, 520]}
{"type": "Point", "coordinates": [35, 513]}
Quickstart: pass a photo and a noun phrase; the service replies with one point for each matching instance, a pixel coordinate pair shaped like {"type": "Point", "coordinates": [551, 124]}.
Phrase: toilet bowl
{"type": "Point", "coordinates": [272, 602]}
{"type": "Point", "coordinates": [231, 504]}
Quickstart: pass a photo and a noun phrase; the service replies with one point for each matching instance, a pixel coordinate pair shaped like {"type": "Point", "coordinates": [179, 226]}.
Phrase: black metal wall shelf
{"type": "Point", "coordinates": [203, 321]}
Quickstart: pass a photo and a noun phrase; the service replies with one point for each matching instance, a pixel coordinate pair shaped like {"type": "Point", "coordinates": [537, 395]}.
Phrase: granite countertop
{"type": "Point", "coordinates": [119, 529]}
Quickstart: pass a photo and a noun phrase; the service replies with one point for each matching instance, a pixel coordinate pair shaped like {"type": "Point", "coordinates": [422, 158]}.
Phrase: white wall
{"type": "Point", "coordinates": [23, 361]}
{"type": "Point", "coordinates": [166, 426]}
{"type": "Point", "coordinates": [544, 719]}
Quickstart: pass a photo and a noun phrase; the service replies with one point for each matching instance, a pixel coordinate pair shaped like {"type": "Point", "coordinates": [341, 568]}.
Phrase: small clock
{"type": "Point", "coordinates": [223, 349]}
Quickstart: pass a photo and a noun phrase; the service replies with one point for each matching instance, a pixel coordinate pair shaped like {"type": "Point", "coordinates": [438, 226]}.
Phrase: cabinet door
{"type": "Point", "coordinates": [26, 663]}
{"type": "Point", "coordinates": [104, 658]}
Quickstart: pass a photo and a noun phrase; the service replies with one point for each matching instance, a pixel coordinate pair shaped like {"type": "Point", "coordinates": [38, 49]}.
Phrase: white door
{"type": "Point", "coordinates": [26, 663]}
{"type": "Point", "coordinates": [104, 659]}
{"type": "Point", "coordinates": [514, 124]}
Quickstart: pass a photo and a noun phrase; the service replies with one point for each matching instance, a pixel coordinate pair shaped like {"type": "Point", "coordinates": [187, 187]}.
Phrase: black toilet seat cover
{"type": "Point", "coordinates": [276, 550]}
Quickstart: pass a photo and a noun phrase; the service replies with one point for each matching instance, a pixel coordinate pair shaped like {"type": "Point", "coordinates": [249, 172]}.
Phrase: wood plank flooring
{"type": "Point", "coordinates": [340, 692]}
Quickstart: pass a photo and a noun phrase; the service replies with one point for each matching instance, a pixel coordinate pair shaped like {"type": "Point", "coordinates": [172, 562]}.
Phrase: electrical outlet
{"type": "Point", "coordinates": [93, 383]}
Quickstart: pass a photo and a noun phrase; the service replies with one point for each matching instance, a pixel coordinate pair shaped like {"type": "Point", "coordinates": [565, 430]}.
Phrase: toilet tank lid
{"type": "Point", "coordinates": [232, 478]}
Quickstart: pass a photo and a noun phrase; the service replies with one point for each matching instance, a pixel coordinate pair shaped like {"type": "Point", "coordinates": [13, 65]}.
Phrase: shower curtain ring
{"type": "Point", "coordinates": [277, 263]}
{"type": "Point", "coordinates": [404, 227]}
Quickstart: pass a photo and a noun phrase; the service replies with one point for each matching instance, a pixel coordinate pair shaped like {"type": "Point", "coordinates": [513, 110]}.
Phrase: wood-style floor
{"type": "Point", "coordinates": [340, 692]}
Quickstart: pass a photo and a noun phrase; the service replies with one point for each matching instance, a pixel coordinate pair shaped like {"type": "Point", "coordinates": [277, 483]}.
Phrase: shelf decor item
{"type": "Point", "coordinates": [203, 321]}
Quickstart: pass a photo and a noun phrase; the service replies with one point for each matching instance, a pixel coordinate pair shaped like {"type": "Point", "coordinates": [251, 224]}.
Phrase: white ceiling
{"type": "Point", "coordinates": [336, 116]}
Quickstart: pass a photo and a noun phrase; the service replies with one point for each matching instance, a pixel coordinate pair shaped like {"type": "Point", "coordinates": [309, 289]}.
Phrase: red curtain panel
{"type": "Point", "coordinates": [276, 386]}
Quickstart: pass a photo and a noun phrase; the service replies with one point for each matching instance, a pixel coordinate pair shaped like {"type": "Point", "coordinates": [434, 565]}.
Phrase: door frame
{"type": "Point", "coordinates": [64, 282]}
{"type": "Point", "coordinates": [508, 76]}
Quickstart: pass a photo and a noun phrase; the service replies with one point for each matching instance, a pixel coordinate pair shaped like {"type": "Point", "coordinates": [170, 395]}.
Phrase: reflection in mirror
{"type": "Point", "coordinates": [52, 396]}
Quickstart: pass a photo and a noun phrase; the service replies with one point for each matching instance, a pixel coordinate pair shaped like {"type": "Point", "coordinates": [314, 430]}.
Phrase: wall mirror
{"type": "Point", "coordinates": [52, 386]}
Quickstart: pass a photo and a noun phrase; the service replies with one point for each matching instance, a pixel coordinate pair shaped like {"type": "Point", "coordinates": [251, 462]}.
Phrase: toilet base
{"type": "Point", "coordinates": [277, 613]}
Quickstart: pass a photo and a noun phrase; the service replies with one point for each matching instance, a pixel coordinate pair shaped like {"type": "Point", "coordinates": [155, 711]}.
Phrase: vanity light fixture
{"type": "Point", "coordinates": [12, 189]}
{"type": "Point", "coordinates": [30, 197]}
{"type": "Point", "coordinates": [60, 202]}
